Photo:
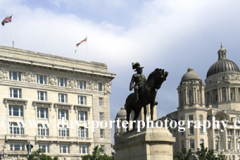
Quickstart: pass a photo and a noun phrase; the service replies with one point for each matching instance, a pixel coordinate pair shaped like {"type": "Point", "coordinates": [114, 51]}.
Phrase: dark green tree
{"type": "Point", "coordinates": [184, 155]}
{"type": "Point", "coordinates": [97, 154]}
{"type": "Point", "coordinates": [39, 155]}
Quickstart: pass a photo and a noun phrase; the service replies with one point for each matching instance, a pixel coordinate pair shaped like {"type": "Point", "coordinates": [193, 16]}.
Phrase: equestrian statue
{"type": "Point", "coordinates": [145, 91]}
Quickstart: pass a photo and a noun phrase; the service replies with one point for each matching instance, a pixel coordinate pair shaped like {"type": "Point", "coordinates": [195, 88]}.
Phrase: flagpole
{"type": "Point", "coordinates": [86, 48]}
{"type": "Point", "coordinates": [12, 33]}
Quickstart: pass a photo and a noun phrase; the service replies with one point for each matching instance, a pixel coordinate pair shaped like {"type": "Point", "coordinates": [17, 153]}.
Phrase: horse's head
{"type": "Point", "coordinates": [160, 77]}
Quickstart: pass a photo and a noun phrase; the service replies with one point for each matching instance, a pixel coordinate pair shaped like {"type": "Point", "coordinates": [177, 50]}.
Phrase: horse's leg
{"type": "Point", "coordinates": [151, 109]}
{"type": "Point", "coordinates": [145, 113]}
{"type": "Point", "coordinates": [136, 114]}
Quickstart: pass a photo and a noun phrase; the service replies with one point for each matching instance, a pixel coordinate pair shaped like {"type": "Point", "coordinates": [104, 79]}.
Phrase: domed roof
{"type": "Point", "coordinates": [223, 64]}
{"type": "Point", "coordinates": [122, 112]}
{"type": "Point", "coordinates": [190, 75]}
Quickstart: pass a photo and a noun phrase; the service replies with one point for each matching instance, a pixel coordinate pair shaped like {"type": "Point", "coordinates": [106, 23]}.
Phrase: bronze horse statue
{"type": "Point", "coordinates": [147, 95]}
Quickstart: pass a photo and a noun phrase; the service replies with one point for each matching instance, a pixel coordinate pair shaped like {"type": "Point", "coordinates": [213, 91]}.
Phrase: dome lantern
{"type": "Point", "coordinates": [222, 53]}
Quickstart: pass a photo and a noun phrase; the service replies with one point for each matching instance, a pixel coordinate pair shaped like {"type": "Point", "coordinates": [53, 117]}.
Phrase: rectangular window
{"type": "Point", "coordinates": [63, 114]}
{"type": "Point", "coordinates": [42, 112]}
{"type": "Point", "coordinates": [82, 132]}
{"type": "Point", "coordinates": [82, 116]}
{"type": "Point", "coordinates": [100, 101]}
{"type": "Point", "coordinates": [233, 157]}
{"type": "Point", "coordinates": [99, 86]}
{"type": "Point", "coordinates": [201, 130]}
{"type": "Point", "coordinates": [43, 130]}
{"type": "Point", "coordinates": [216, 131]}
{"type": "Point", "coordinates": [229, 144]}
{"type": "Point", "coordinates": [81, 84]}
{"type": "Point", "coordinates": [238, 157]}
{"type": "Point", "coordinates": [41, 79]}
{"type": "Point", "coordinates": [190, 117]}
{"type": "Point", "coordinates": [17, 147]}
{"type": "Point", "coordinates": [63, 131]}
{"type": "Point", "coordinates": [83, 149]}
{"type": "Point", "coordinates": [230, 132]}
{"type": "Point", "coordinates": [101, 116]}
{"type": "Point", "coordinates": [64, 148]}
{"type": "Point", "coordinates": [62, 98]}
{"type": "Point", "coordinates": [216, 144]}
{"type": "Point", "coordinates": [191, 130]}
{"type": "Point", "coordinates": [82, 100]}
{"type": "Point", "coordinates": [15, 129]}
{"type": "Point", "coordinates": [238, 145]}
{"type": "Point", "coordinates": [45, 147]}
{"type": "Point", "coordinates": [191, 143]}
{"type": "Point", "coordinates": [101, 133]}
{"type": "Point", "coordinates": [42, 96]}
{"type": "Point", "coordinates": [15, 93]}
{"type": "Point", "coordinates": [16, 111]}
{"type": "Point", "coordinates": [201, 118]}
{"type": "Point", "coordinates": [62, 82]}
{"type": "Point", "coordinates": [15, 76]}
{"type": "Point", "coordinates": [201, 141]}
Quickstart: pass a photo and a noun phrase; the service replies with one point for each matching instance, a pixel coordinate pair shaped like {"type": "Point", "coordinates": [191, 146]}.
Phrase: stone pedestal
{"type": "Point", "coordinates": [149, 144]}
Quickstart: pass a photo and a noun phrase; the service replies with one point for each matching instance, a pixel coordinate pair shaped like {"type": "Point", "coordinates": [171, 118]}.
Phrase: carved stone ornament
{"type": "Point", "coordinates": [108, 88]}
{"type": "Point", "coordinates": [72, 83]}
{"type": "Point", "coordinates": [91, 85]}
{"type": "Point", "coordinates": [29, 77]}
{"type": "Point", "coordinates": [52, 80]}
{"type": "Point", "coordinates": [3, 73]}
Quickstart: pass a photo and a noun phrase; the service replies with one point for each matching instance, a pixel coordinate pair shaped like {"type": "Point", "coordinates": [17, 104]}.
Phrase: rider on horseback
{"type": "Point", "coordinates": [138, 78]}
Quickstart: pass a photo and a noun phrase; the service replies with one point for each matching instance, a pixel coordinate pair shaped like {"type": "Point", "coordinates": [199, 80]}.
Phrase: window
{"type": "Point", "coordinates": [190, 96]}
{"type": "Point", "coordinates": [230, 132]}
{"type": "Point", "coordinates": [238, 145]}
{"type": "Point", "coordinates": [62, 114]}
{"type": "Point", "coordinates": [99, 86]}
{"type": "Point", "coordinates": [237, 132]}
{"type": "Point", "coordinates": [238, 157]}
{"type": "Point", "coordinates": [191, 143]}
{"type": "Point", "coordinates": [190, 117]}
{"type": "Point", "coordinates": [15, 76]}
{"type": "Point", "coordinates": [45, 147]}
{"type": "Point", "coordinates": [216, 144]}
{"type": "Point", "coordinates": [201, 117]}
{"type": "Point", "coordinates": [62, 82]}
{"type": "Point", "coordinates": [16, 111]}
{"type": "Point", "coordinates": [82, 116]}
{"type": "Point", "coordinates": [101, 116]}
{"type": "Point", "coordinates": [182, 144]}
{"type": "Point", "coordinates": [15, 93]}
{"type": "Point", "coordinates": [17, 146]}
{"type": "Point", "coordinates": [83, 149]}
{"type": "Point", "coordinates": [41, 79]}
{"type": "Point", "coordinates": [42, 96]}
{"type": "Point", "coordinates": [229, 144]}
{"type": "Point", "coordinates": [101, 133]}
{"type": "Point", "coordinates": [43, 130]}
{"type": "Point", "coordinates": [62, 98]}
{"type": "Point", "coordinates": [216, 131]}
{"type": "Point", "coordinates": [81, 84]}
{"type": "Point", "coordinates": [201, 130]}
{"type": "Point", "coordinates": [191, 130]}
{"type": "Point", "coordinates": [42, 112]}
{"type": "Point", "coordinates": [201, 141]}
{"type": "Point", "coordinates": [82, 100]}
{"type": "Point", "coordinates": [63, 131]}
{"type": "Point", "coordinates": [102, 146]}
{"type": "Point", "coordinates": [100, 101]}
{"type": "Point", "coordinates": [16, 128]}
{"type": "Point", "coordinates": [233, 157]}
{"type": "Point", "coordinates": [82, 132]}
{"type": "Point", "coordinates": [64, 148]}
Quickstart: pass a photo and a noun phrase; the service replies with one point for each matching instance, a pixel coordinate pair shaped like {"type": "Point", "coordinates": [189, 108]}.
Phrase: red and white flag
{"type": "Point", "coordinates": [7, 20]}
{"type": "Point", "coordinates": [85, 40]}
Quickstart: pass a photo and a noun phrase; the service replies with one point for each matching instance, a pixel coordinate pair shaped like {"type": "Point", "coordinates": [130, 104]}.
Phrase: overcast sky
{"type": "Point", "coordinates": [168, 34]}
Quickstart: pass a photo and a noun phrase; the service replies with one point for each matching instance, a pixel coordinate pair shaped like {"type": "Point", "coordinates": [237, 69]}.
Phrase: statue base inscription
{"type": "Point", "coordinates": [149, 144]}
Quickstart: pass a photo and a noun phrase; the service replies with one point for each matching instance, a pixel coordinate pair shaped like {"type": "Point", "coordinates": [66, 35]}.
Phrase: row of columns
{"type": "Point", "coordinates": [195, 97]}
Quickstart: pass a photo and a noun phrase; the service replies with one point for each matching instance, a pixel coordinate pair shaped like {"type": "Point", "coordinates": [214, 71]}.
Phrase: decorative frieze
{"type": "Point", "coordinates": [52, 80]}
{"type": "Point", "coordinates": [15, 101]}
{"type": "Point", "coordinates": [108, 88]}
{"type": "Point", "coordinates": [72, 83]}
{"type": "Point", "coordinates": [91, 85]}
{"type": "Point", "coordinates": [3, 74]}
{"type": "Point", "coordinates": [29, 77]}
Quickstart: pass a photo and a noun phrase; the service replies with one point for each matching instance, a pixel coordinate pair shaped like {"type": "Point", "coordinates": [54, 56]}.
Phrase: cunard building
{"type": "Point", "coordinates": [40, 88]}
{"type": "Point", "coordinates": [219, 97]}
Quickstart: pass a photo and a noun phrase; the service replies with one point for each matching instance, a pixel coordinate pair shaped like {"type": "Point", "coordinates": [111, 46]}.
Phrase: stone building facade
{"type": "Point", "coordinates": [54, 91]}
{"type": "Point", "coordinates": [219, 98]}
